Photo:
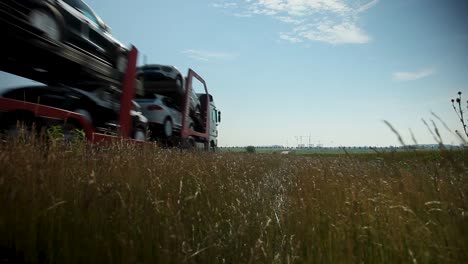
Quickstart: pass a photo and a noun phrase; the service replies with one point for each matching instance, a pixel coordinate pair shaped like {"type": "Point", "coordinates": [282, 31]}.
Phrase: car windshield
{"type": "Point", "coordinates": [83, 8]}
{"type": "Point", "coordinates": [157, 83]}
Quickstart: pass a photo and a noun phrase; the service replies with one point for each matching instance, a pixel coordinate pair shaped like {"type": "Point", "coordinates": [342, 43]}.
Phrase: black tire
{"type": "Point", "coordinates": [213, 146]}
{"type": "Point", "coordinates": [188, 143]}
{"type": "Point", "coordinates": [73, 132]}
{"type": "Point", "coordinates": [23, 125]}
{"type": "Point", "coordinates": [18, 127]}
{"type": "Point", "coordinates": [167, 128]}
{"type": "Point", "coordinates": [47, 22]}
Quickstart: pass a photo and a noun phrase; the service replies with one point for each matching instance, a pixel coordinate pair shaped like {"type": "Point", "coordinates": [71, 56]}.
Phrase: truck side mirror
{"type": "Point", "coordinates": [219, 116]}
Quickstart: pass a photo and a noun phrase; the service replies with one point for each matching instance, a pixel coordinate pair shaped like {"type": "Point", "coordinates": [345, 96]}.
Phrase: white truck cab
{"type": "Point", "coordinates": [214, 119]}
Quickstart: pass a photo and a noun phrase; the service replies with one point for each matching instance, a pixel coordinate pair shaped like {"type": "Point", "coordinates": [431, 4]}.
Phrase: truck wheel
{"type": "Point", "coordinates": [45, 22]}
{"type": "Point", "coordinates": [167, 128]}
{"type": "Point", "coordinates": [188, 143]}
{"type": "Point", "coordinates": [212, 146]}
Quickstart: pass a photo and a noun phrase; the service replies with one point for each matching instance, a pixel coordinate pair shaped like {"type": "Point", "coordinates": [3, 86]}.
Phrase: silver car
{"type": "Point", "coordinates": [164, 116]}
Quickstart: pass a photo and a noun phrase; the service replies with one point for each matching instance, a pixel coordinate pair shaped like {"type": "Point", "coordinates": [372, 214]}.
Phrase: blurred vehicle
{"type": "Point", "coordinates": [100, 106]}
{"type": "Point", "coordinates": [164, 115]}
{"type": "Point", "coordinates": [71, 22]}
{"type": "Point", "coordinates": [165, 80]}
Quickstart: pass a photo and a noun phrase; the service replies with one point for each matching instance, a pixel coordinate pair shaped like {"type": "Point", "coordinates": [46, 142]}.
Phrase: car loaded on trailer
{"type": "Point", "coordinates": [164, 115]}
{"type": "Point", "coordinates": [71, 22]}
{"type": "Point", "coordinates": [161, 98]}
{"type": "Point", "coordinates": [175, 112]}
{"type": "Point", "coordinates": [100, 106]}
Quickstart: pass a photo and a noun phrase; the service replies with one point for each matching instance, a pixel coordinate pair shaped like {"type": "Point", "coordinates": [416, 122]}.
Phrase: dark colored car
{"type": "Point", "coordinates": [99, 106]}
{"type": "Point", "coordinates": [71, 22]}
{"type": "Point", "coordinates": [166, 80]}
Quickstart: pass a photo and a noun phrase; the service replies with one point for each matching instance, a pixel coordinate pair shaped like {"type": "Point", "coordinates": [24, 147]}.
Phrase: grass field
{"type": "Point", "coordinates": [313, 151]}
{"type": "Point", "coordinates": [140, 204]}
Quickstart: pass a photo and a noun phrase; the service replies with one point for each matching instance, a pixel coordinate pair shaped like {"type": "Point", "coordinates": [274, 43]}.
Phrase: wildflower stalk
{"type": "Point", "coordinates": [458, 103]}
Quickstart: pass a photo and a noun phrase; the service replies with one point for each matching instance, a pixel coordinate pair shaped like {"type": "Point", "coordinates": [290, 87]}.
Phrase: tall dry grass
{"type": "Point", "coordinates": [140, 204]}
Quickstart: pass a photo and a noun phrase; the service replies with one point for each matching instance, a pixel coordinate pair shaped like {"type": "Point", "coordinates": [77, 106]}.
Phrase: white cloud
{"type": "Point", "coordinates": [286, 36]}
{"type": "Point", "coordinates": [243, 15]}
{"type": "Point", "coordinates": [225, 5]}
{"type": "Point", "coordinates": [204, 55]}
{"type": "Point", "coordinates": [336, 33]}
{"type": "Point", "coordinates": [289, 20]}
{"type": "Point", "coordinates": [411, 76]}
{"type": "Point", "coordinates": [330, 21]}
{"type": "Point", "coordinates": [364, 7]}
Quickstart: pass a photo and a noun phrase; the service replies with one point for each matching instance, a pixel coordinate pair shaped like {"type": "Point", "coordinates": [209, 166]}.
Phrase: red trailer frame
{"type": "Point", "coordinates": [45, 112]}
{"type": "Point", "coordinates": [128, 93]}
{"type": "Point", "coordinates": [186, 131]}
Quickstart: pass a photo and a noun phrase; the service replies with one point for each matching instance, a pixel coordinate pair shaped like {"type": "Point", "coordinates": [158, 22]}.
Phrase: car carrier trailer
{"type": "Point", "coordinates": [12, 110]}
{"type": "Point", "coordinates": [28, 54]}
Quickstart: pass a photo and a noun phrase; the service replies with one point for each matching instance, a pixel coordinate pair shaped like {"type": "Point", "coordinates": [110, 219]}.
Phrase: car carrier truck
{"type": "Point", "coordinates": [29, 53]}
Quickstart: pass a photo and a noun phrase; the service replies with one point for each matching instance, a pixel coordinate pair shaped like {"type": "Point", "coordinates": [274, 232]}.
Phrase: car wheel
{"type": "Point", "coordinates": [21, 127]}
{"type": "Point", "coordinates": [139, 134]}
{"type": "Point", "coordinates": [85, 114]}
{"type": "Point", "coordinates": [72, 132]}
{"type": "Point", "coordinates": [45, 22]}
{"type": "Point", "coordinates": [167, 128]}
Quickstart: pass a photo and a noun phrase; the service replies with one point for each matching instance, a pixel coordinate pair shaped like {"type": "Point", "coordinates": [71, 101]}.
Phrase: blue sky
{"type": "Point", "coordinates": [331, 69]}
